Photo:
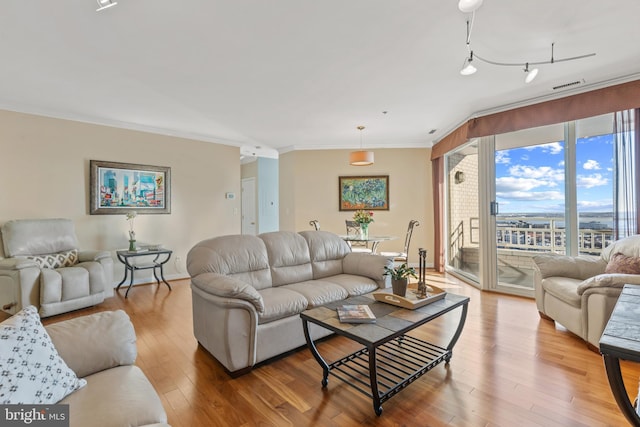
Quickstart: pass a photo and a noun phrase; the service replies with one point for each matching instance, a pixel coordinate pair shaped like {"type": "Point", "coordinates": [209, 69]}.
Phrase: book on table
{"type": "Point", "coordinates": [356, 314]}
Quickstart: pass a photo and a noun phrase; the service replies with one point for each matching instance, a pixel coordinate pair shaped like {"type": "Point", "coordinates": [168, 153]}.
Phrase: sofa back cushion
{"type": "Point", "coordinates": [289, 258]}
{"type": "Point", "coordinates": [241, 256]}
{"type": "Point", "coordinates": [22, 237]}
{"type": "Point", "coordinates": [327, 250]}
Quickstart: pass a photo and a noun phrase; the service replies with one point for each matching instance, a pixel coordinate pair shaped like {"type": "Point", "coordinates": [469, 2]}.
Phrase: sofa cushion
{"type": "Point", "coordinates": [23, 237]}
{"type": "Point", "coordinates": [319, 292]}
{"type": "Point", "coordinates": [354, 285]}
{"type": "Point", "coordinates": [279, 303]}
{"type": "Point", "coordinates": [120, 396]}
{"type": "Point", "coordinates": [326, 251]}
{"type": "Point", "coordinates": [31, 370]}
{"type": "Point", "coordinates": [630, 246]}
{"type": "Point", "coordinates": [56, 260]}
{"type": "Point", "coordinates": [289, 258]}
{"type": "Point", "coordinates": [243, 257]}
{"type": "Point", "coordinates": [563, 288]}
{"type": "Point", "coordinates": [620, 263]}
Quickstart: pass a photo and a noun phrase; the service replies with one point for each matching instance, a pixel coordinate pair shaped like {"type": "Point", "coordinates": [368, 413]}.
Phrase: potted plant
{"type": "Point", "coordinates": [400, 278]}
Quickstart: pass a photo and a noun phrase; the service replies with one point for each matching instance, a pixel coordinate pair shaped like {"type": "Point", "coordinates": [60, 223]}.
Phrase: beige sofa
{"type": "Point", "coordinates": [248, 291]}
{"type": "Point", "coordinates": [101, 348]}
{"type": "Point", "coordinates": [580, 292]}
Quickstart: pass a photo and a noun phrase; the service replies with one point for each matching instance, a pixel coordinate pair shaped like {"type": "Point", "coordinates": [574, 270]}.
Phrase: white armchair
{"type": "Point", "coordinates": [580, 292]}
{"type": "Point", "coordinates": [45, 268]}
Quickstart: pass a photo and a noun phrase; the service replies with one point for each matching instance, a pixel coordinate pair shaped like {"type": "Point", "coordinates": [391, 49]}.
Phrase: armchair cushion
{"type": "Point", "coordinates": [620, 263]}
{"type": "Point", "coordinates": [32, 370]}
{"type": "Point", "coordinates": [57, 260]}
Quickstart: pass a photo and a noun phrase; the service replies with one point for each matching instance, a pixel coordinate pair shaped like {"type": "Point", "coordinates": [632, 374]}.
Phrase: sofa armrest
{"type": "Point", "coordinates": [612, 280]}
{"type": "Point", "coordinates": [580, 267]}
{"type": "Point", "coordinates": [17, 263]}
{"type": "Point", "coordinates": [84, 256]}
{"type": "Point", "coordinates": [95, 342]}
{"type": "Point", "coordinates": [228, 287]}
{"type": "Point", "coordinates": [367, 265]}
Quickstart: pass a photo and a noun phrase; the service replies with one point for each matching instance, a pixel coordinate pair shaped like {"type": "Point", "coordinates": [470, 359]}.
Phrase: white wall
{"type": "Point", "coordinates": [309, 190]}
{"type": "Point", "coordinates": [44, 173]}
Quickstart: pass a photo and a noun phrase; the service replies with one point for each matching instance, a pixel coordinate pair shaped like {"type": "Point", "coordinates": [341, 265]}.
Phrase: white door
{"type": "Point", "coordinates": [249, 206]}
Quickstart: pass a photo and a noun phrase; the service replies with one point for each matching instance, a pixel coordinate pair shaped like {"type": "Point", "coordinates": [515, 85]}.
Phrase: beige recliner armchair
{"type": "Point", "coordinates": [44, 268]}
{"type": "Point", "coordinates": [580, 292]}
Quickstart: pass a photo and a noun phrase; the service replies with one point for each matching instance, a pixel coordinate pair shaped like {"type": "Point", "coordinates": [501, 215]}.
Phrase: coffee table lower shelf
{"type": "Point", "coordinates": [391, 367]}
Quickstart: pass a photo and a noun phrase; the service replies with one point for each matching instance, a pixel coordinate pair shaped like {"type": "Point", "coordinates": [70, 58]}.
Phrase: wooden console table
{"type": "Point", "coordinates": [621, 340]}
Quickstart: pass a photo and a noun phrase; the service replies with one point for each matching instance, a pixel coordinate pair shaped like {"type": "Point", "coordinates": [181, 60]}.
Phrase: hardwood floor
{"type": "Point", "coordinates": [510, 368]}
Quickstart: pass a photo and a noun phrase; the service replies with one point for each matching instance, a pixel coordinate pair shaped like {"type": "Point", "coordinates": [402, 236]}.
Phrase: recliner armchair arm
{"type": "Point", "coordinates": [611, 280]}
{"type": "Point", "coordinates": [368, 265]}
{"type": "Point", "coordinates": [17, 263]}
{"type": "Point", "coordinates": [84, 256]}
{"type": "Point", "coordinates": [228, 287]}
{"type": "Point", "coordinates": [580, 267]}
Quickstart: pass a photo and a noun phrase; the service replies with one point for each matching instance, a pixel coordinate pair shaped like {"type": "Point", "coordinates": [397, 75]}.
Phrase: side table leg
{"type": "Point", "coordinates": [316, 355]}
{"type": "Point", "coordinates": [614, 375]}
{"type": "Point", "coordinates": [126, 294]}
{"type": "Point", "coordinates": [162, 277]}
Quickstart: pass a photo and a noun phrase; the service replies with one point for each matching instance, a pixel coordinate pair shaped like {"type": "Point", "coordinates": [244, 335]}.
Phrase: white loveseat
{"type": "Point", "coordinates": [248, 291]}
{"type": "Point", "coordinates": [580, 292]}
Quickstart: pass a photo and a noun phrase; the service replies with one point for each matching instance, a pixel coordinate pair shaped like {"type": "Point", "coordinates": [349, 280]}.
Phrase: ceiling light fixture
{"type": "Point", "coordinates": [361, 157]}
{"type": "Point", "coordinates": [470, 6]}
{"type": "Point", "coordinates": [105, 4]}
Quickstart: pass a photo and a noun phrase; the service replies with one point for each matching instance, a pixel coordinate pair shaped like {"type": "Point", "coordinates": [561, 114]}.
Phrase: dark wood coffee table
{"type": "Point", "coordinates": [390, 360]}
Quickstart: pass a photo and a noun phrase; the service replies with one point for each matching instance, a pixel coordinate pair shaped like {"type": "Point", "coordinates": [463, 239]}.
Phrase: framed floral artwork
{"type": "Point", "coordinates": [119, 188]}
{"type": "Point", "coordinates": [364, 192]}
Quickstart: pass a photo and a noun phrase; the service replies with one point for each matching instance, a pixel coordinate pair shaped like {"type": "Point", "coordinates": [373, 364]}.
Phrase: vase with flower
{"type": "Point", "coordinates": [363, 218]}
{"type": "Point", "coordinates": [131, 216]}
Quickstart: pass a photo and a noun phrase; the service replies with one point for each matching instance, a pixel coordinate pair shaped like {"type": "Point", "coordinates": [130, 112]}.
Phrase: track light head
{"type": "Point", "coordinates": [467, 67]}
{"type": "Point", "coordinates": [531, 74]}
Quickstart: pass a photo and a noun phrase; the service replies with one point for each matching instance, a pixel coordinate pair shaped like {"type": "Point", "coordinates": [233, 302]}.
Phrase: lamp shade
{"type": "Point", "coordinates": [361, 158]}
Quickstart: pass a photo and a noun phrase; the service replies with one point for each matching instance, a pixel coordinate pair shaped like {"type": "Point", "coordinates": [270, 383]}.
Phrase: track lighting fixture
{"type": "Point", "coordinates": [470, 6]}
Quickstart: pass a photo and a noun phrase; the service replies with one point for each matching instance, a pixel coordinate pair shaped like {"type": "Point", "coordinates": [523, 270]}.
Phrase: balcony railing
{"type": "Point", "coordinates": [542, 234]}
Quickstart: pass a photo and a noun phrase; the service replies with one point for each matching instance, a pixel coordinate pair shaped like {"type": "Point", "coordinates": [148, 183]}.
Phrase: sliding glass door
{"type": "Point", "coordinates": [515, 195]}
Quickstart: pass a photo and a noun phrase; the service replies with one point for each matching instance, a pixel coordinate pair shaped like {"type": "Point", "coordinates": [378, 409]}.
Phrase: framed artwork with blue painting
{"type": "Point", "coordinates": [364, 192]}
{"type": "Point", "coordinates": [118, 188]}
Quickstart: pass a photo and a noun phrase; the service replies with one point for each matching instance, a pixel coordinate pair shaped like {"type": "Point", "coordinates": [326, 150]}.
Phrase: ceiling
{"type": "Point", "coordinates": [299, 74]}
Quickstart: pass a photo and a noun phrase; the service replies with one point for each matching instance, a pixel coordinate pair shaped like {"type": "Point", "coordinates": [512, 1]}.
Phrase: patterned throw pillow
{"type": "Point", "coordinates": [31, 370]}
{"type": "Point", "coordinates": [622, 264]}
{"type": "Point", "coordinates": [60, 259]}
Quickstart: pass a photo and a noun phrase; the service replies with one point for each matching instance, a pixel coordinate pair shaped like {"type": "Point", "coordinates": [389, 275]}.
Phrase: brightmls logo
{"type": "Point", "coordinates": [34, 415]}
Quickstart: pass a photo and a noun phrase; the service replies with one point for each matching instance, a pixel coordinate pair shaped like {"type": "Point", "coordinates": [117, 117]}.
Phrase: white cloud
{"type": "Point", "coordinates": [547, 173]}
{"type": "Point", "coordinates": [595, 205]}
{"type": "Point", "coordinates": [502, 157]}
{"type": "Point", "coordinates": [525, 158]}
{"type": "Point", "coordinates": [551, 148]}
{"type": "Point", "coordinates": [591, 165]}
{"type": "Point", "coordinates": [512, 184]}
{"type": "Point", "coordinates": [531, 195]}
{"type": "Point", "coordinates": [590, 181]}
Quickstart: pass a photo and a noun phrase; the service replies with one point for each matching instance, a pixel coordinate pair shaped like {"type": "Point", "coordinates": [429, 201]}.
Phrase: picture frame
{"type": "Point", "coordinates": [118, 188]}
{"type": "Point", "coordinates": [364, 192]}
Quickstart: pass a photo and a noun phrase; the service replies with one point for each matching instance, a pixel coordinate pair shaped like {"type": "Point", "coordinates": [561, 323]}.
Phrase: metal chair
{"type": "Point", "coordinates": [315, 224]}
{"type": "Point", "coordinates": [353, 230]}
{"type": "Point", "coordinates": [404, 255]}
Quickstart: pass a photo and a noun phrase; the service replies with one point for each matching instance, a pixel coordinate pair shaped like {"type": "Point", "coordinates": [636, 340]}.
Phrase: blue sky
{"type": "Point", "coordinates": [531, 179]}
